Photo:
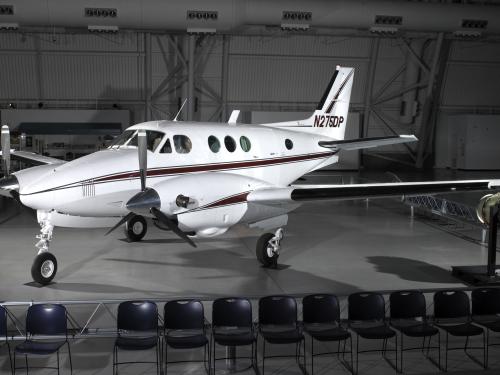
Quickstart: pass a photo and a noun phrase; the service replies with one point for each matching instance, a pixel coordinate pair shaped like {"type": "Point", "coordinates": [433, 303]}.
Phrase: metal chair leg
{"type": "Point", "coordinates": [69, 357]}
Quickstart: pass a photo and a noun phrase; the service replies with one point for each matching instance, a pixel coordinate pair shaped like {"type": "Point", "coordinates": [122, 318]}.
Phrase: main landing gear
{"type": "Point", "coordinates": [44, 266]}
{"type": "Point", "coordinates": [268, 248]}
{"type": "Point", "coordinates": [136, 228]}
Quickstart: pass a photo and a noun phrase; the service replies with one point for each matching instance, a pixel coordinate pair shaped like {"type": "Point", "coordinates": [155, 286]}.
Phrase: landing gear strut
{"type": "Point", "coordinates": [268, 248]}
{"type": "Point", "coordinates": [44, 266]}
{"type": "Point", "coordinates": [136, 228]}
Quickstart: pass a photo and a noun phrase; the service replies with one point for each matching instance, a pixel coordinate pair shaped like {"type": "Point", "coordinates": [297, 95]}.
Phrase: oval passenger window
{"type": "Point", "coordinates": [230, 143]}
{"type": "Point", "coordinates": [245, 143]}
{"type": "Point", "coordinates": [288, 144]}
{"type": "Point", "coordinates": [182, 144]}
{"type": "Point", "coordinates": [213, 144]}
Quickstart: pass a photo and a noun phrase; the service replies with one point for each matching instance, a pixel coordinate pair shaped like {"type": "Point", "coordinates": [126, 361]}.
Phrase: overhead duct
{"type": "Point", "coordinates": [232, 15]}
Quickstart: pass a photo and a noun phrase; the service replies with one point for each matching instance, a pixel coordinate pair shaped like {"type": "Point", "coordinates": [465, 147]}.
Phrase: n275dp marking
{"type": "Point", "coordinates": [322, 121]}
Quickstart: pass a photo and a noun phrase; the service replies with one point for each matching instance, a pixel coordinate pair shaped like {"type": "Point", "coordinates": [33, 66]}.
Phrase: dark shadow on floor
{"type": "Point", "coordinates": [412, 270]}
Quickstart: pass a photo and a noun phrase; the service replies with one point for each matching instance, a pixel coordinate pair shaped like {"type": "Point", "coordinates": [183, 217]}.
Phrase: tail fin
{"type": "Point", "coordinates": [330, 116]}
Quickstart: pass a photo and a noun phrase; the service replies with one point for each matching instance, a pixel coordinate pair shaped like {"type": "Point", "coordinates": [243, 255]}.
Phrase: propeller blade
{"type": "Point", "coordinates": [121, 222]}
{"type": "Point", "coordinates": [5, 140]}
{"type": "Point", "coordinates": [171, 225]}
{"type": "Point", "coordinates": [142, 146]}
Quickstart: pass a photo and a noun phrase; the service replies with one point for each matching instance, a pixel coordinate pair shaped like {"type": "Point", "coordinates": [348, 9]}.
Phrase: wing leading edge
{"type": "Point", "coordinates": [304, 193]}
{"type": "Point", "coordinates": [361, 143]}
{"type": "Point", "coordinates": [32, 158]}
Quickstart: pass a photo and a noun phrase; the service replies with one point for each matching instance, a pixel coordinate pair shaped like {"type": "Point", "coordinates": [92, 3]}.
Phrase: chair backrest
{"type": "Point", "coordinates": [46, 319]}
{"type": "Point", "coordinates": [184, 314]}
{"type": "Point", "coordinates": [137, 316]}
{"type": "Point", "coordinates": [485, 301]}
{"type": "Point", "coordinates": [451, 304]}
{"type": "Point", "coordinates": [320, 308]}
{"type": "Point", "coordinates": [278, 310]}
{"type": "Point", "coordinates": [407, 305]}
{"type": "Point", "coordinates": [3, 321]}
{"type": "Point", "coordinates": [232, 312]}
{"type": "Point", "coordinates": [366, 306]}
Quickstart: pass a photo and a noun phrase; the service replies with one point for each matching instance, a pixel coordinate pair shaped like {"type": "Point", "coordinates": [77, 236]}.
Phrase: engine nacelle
{"type": "Point", "coordinates": [208, 203]}
{"type": "Point", "coordinates": [484, 207]}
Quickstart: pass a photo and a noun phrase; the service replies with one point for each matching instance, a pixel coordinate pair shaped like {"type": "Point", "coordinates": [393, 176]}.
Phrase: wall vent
{"type": "Point", "coordinates": [202, 15]}
{"type": "Point", "coordinates": [101, 12]}
{"type": "Point", "coordinates": [6, 10]}
{"type": "Point", "coordinates": [474, 24]}
{"type": "Point", "coordinates": [289, 15]}
{"type": "Point", "coordinates": [388, 20]}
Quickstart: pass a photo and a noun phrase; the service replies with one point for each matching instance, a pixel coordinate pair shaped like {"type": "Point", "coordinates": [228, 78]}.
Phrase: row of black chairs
{"type": "Point", "coordinates": [185, 326]}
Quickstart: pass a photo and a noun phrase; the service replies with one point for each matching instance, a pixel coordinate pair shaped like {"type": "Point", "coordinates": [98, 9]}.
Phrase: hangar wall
{"type": "Point", "coordinates": [274, 71]}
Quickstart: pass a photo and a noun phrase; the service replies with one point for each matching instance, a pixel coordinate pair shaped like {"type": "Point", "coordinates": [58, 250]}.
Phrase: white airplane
{"type": "Point", "coordinates": [200, 179]}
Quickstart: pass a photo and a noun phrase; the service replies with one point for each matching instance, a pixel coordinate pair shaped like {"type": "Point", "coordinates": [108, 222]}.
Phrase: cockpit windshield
{"type": "Point", "coordinates": [129, 139]}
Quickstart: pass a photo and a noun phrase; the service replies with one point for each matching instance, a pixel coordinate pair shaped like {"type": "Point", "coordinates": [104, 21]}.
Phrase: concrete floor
{"type": "Point", "coordinates": [337, 247]}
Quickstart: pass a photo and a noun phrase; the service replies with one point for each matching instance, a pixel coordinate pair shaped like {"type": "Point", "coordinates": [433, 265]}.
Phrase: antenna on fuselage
{"type": "Point", "coordinates": [180, 110]}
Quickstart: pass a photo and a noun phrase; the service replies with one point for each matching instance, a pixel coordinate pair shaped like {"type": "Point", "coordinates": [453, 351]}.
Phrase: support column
{"type": "Point", "coordinates": [369, 88]}
{"type": "Point", "coordinates": [224, 76]}
{"type": "Point", "coordinates": [426, 126]}
{"type": "Point", "coordinates": [190, 82]}
{"type": "Point", "coordinates": [147, 77]}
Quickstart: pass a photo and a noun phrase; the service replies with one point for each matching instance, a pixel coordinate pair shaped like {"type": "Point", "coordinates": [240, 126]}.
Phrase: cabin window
{"type": "Point", "coordinates": [154, 139]}
{"type": "Point", "coordinates": [182, 144]}
{"type": "Point", "coordinates": [129, 139]}
{"type": "Point", "coordinates": [122, 139]}
{"type": "Point", "coordinates": [288, 144]}
{"type": "Point", "coordinates": [245, 143]}
{"type": "Point", "coordinates": [213, 144]}
{"type": "Point", "coordinates": [230, 143]}
{"type": "Point", "coordinates": [167, 148]}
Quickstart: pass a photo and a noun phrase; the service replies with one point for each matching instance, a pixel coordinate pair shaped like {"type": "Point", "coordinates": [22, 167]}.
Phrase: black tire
{"type": "Point", "coordinates": [261, 251]}
{"type": "Point", "coordinates": [44, 268]}
{"type": "Point", "coordinates": [136, 228]}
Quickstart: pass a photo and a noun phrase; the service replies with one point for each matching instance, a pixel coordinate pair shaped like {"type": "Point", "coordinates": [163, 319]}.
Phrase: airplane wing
{"type": "Point", "coordinates": [32, 158]}
{"type": "Point", "coordinates": [362, 143]}
{"type": "Point", "coordinates": [304, 193]}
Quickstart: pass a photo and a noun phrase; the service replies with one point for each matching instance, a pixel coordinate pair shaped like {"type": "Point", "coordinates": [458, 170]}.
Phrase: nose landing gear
{"type": "Point", "coordinates": [136, 228]}
{"type": "Point", "coordinates": [44, 266]}
{"type": "Point", "coordinates": [268, 248]}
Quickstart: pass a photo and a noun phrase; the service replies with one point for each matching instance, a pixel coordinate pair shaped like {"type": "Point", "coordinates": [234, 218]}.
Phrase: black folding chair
{"type": "Point", "coordinates": [3, 332]}
{"type": "Point", "coordinates": [232, 326]}
{"type": "Point", "coordinates": [367, 320]}
{"type": "Point", "coordinates": [486, 313]}
{"type": "Point", "coordinates": [321, 317]}
{"type": "Point", "coordinates": [278, 324]}
{"type": "Point", "coordinates": [185, 328]}
{"type": "Point", "coordinates": [408, 314]}
{"type": "Point", "coordinates": [137, 330]}
{"type": "Point", "coordinates": [44, 320]}
{"type": "Point", "coordinates": [452, 314]}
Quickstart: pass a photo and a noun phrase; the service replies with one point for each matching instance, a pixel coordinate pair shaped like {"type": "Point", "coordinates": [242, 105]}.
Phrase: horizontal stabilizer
{"type": "Point", "coordinates": [303, 193]}
{"type": "Point", "coordinates": [361, 143]}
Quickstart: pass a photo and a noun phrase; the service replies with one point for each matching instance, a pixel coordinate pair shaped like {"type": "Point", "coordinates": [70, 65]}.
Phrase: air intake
{"type": "Point", "coordinates": [202, 15]}
{"type": "Point", "coordinates": [101, 12]}
{"type": "Point", "coordinates": [296, 16]}
{"type": "Point", "coordinates": [474, 24]}
{"type": "Point", "coordinates": [388, 20]}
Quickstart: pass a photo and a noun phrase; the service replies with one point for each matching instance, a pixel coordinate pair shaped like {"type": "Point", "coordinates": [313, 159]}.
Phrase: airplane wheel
{"type": "Point", "coordinates": [44, 268]}
{"type": "Point", "coordinates": [263, 251]}
{"type": "Point", "coordinates": [136, 228]}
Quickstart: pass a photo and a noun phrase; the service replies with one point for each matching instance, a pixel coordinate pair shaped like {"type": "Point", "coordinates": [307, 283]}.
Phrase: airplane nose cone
{"type": "Point", "coordinates": [142, 202]}
{"type": "Point", "coordinates": [8, 184]}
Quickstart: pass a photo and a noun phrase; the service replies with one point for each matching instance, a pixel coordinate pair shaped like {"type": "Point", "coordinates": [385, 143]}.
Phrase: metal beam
{"type": "Point", "coordinates": [190, 81]}
{"type": "Point", "coordinates": [147, 76]}
{"type": "Point", "coordinates": [224, 76]}
{"type": "Point", "coordinates": [369, 87]}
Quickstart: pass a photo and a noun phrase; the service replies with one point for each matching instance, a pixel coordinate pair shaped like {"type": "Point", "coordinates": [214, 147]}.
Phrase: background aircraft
{"type": "Point", "coordinates": [200, 179]}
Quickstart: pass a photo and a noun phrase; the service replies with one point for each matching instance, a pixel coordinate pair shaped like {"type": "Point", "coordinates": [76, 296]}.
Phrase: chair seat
{"type": "Point", "coordinates": [493, 325]}
{"type": "Point", "coordinates": [39, 347]}
{"type": "Point", "coordinates": [281, 335]}
{"type": "Point", "coordinates": [416, 330]}
{"type": "Point", "coordinates": [233, 336]}
{"type": "Point", "coordinates": [327, 332]}
{"type": "Point", "coordinates": [463, 329]}
{"type": "Point", "coordinates": [185, 339]}
{"type": "Point", "coordinates": [136, 343]}
{"type": "Point", "coordinates": [376, 332]}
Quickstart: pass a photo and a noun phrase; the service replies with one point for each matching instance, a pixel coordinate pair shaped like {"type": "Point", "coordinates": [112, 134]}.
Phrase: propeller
{"type": "Point", "coordinates": [148, 200]}
{"type": "Point", "coordinates": [5, 140]}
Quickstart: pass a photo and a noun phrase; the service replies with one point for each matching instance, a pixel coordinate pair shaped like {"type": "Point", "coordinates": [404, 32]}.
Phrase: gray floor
{"type": "Point", "coordinates": [339, 247]}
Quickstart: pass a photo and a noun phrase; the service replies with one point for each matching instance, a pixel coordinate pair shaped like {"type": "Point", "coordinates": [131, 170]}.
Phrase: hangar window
{"type": "Point", "coordinates": [214, 144]}
{"type": "Point", "coordinates": [167, 148]}
{"type": "Point", "coordinates": [245, 143]}
{"type": "Point", "coordinates": [182, 144]}
{"type": "Point", "coordinates": [288, 144]}
{"type": "Point", "coordinates": [230, 143]}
